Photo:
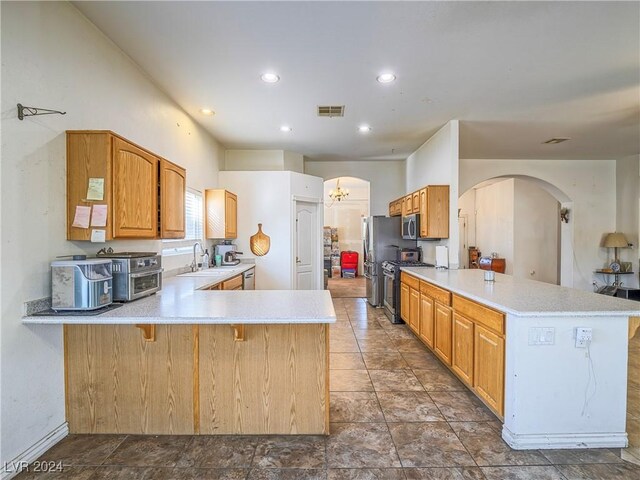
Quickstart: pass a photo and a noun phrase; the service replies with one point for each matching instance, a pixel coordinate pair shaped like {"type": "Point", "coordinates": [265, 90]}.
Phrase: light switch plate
{"type": "Point", "coordinates": [542, 336]}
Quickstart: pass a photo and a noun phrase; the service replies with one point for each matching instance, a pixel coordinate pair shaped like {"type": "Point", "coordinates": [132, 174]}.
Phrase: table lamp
{"type": "Point", "coordinates": [615, 240]}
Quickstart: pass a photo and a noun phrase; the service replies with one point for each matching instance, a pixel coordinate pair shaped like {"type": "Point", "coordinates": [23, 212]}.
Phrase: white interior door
{"type": "Point", "coordinates": [462, 232]}
{"type": "Point", "coordinates": [306, 264]}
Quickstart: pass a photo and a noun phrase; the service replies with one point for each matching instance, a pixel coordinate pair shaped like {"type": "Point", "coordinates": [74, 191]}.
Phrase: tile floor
{"type": "Point", "coordinates": [396, 413]}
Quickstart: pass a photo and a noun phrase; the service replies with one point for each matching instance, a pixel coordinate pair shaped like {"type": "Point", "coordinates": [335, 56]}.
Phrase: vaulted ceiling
{"type": "Point", "coordinates": [514, 73]}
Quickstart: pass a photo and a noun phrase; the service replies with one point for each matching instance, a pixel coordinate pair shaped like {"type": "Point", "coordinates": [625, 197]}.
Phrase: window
{"type": "Point", "coordinates": [194, 220]}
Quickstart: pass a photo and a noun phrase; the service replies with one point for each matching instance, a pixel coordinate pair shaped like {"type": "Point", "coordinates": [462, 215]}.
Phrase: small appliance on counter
{"type": "Point", "coordinates": [81, 284]}
{"type": "Point", "coordinates": [228, 253]}
{"type": "Point", "coordinates": [135, 274]}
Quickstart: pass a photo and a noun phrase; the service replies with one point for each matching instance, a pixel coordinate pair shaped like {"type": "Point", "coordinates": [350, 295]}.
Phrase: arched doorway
{"type": "Point", "coordinates": [518, 217]}
{"type": "Point", "coordinates": [343, 216]}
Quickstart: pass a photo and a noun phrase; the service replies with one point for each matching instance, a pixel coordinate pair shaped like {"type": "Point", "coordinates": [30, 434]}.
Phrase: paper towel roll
{"type": "Point", "coordinates": [442, 257]}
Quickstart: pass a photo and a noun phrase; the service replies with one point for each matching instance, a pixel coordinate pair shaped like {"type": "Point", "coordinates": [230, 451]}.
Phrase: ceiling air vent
{"type": "Point", "coordinates": [553, 141]}
{"type": "Point", "coordinates": [331, 110]}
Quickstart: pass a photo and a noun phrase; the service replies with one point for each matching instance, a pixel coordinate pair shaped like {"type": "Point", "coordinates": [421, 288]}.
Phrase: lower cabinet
{"type": "Point", "coordinates": [462, 355]}
{"type": "Point", "coordinates": [426, 319]}
{"type": "Point", "coordinates": [443, 328]}
{"type": "Point", "coordinates": [488, 366]}
{"type": "Point", "coordinates": [404, 302]}
{"type": "Point", "coordinates": [414, 310]}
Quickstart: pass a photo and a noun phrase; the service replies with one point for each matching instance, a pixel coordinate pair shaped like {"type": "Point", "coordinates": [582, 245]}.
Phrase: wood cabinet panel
{"type": "Point", "coordinates": [426, 319]}
{"type": "Point", "coordinates": [479, 313]}
{"type": "Point", "coordinates": [135, 198]}
{"type": "Point", "coordinates": [410, 280]}
{"type": "Point", "coordinates": [489, 368]}
{"type": "Point", "coordinates": [234, 283]}
{"type": "Point", "coordinates": [440, 294]}
{"type": "Point", "coordinates": [434, 211]}
{"type": "Point", "coordinates": [443, 332]}
{"type": "Point", "coordinates": [408, 205]}
{"type": "Point", "coordinates": [405, 295]}
{"type": "Point", "coordinates": [221, 212]}
{"type": "Point", "coordinates": [414, 310]}
{"type": "Point", "coordinates": [245, 386]}
{"type": "Point", "coordinates": [116, 382]}
{"type": "Point", "coordinates": [415, 202]}
{"type": "Point", "coordinates": [173, 186]}
{"type": "Point", "coordinates": [462, 354]}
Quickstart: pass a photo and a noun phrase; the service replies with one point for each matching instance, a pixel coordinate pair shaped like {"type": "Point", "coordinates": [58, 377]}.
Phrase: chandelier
{"type": "Point", "coordinates": [338, 194]}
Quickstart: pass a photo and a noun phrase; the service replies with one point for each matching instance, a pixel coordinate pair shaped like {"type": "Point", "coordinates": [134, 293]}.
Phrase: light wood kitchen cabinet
{"type": "Point", "coordinates": [443, 332]}
{"type": "Point", "coordinates": [173, 187]}
{"type": "Point", "coordinates": [395, 208]}
{"type": "Point", "coordinates": [434, 211]}
{"type": "Point", "coordinates": [221, 214]}
{"type": "Point", "coordinates": [136, 207]}
{"type": "Point", "coordinates": [462, 354]}
{"type": "Point", "coordinates": [426, 319]}
{"type": "Point", "coordinates": [415, 202]}
{"type": "Point", "coordinates": [414, 310]}
{"type": "Point", "coordinates": [488, 365]}
{"type": "Point", "coordinates": [405, 295]}
{"type": "Point", "coordinates": [234, 283]}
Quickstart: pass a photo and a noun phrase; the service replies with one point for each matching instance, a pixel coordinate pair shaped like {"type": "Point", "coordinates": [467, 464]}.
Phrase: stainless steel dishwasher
{"type": "Point", "coordinates": [249, 279]}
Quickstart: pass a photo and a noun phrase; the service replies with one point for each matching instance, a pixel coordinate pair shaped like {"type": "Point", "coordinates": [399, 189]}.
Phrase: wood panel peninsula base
{"type": "Point", "coordinates": [197, 379]}
{"type": "Point", "coordinates": [191, 360]}
{"type": "Point", "coordinates": [512, 343]}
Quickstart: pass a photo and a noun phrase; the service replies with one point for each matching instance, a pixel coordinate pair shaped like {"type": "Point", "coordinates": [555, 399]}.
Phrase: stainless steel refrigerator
{"type": "Point", "coordinates": [381, 238]}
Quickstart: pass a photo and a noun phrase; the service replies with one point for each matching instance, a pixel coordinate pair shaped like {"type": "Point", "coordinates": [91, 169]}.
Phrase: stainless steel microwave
{"type": "Point", "coordinates": [411, 227]}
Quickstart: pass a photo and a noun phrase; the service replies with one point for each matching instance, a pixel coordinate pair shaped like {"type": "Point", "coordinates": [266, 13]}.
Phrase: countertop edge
{"type": "Point", "coordinates": [96, 320]}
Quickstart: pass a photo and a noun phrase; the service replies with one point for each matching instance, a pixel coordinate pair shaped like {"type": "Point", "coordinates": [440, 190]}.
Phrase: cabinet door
{"type": "Point", "coordinates": [173, 184]}
{"type": "Point", "coordinates": [414, 310]}
{"type": "Point", "coordinates": [408, 201]}
{"type": "Point", "coordinates": [442, 323]}
{"type": "Point", "coordinates": [424, 213]}
{"type": "Point", "coordinates": [426, 319]}
{"type": "Point", "coordinates": [404, 302]}
{"type": "Point", "coordinates": [415, 202]}
{"type": "Point", "coordinates": [234, 283]}
{"type": "Point", "coordinates": [489, 367]}
{"type": "Point", "coordinates": [135, 192]}
{"type": "Point", "coordinates": [462, 355]}
{"type": "Point", "coordinates": [230, 215]}
{"type": "Point", "coordinates": [437, 218]}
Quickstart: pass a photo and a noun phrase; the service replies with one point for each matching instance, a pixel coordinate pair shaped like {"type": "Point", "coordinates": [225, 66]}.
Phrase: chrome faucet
{"type": "Point", "coordinates": [194, 264]}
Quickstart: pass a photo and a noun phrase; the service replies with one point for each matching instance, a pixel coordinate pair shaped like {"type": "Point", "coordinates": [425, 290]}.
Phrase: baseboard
{"type": "Point", "coordinates": [558, 441]}
{"type": "Point", "coordinates": [11, 468]}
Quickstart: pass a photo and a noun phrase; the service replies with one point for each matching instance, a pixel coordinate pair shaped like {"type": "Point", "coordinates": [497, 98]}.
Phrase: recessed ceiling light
{"type": "Point", "coordinates": [386, 77]}
{"type": "Point", "coordinates": [364, 128]}
{"type": "Point", "coordinates": [553, 141]}
{"type": "Point", "coordinates": [285, 128]}
{"type": "Point", "coordinates": [269, 77]}
{"type": "Point", "coordinates": [207, 111]}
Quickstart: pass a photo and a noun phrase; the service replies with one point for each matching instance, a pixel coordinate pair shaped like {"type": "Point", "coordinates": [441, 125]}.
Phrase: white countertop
{"type": "Point", "coordinates": [180, 302]}
{"type": "Point", "coordinates": [525, 297]}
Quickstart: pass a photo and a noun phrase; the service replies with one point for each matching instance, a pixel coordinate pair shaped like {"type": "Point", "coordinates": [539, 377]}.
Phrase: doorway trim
{"type": "Point", "coordinates": [319, 281]}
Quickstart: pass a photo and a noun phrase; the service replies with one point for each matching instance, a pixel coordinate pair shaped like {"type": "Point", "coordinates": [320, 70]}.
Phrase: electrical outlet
{"type": "Point", "coordinates": [583, 336]}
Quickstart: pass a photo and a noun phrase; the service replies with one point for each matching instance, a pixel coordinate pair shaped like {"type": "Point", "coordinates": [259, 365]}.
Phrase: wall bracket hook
{"type": "Point", "coordinates": [34, 111]}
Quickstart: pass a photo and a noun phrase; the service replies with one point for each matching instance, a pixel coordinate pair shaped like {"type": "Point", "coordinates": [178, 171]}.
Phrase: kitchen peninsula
{"type": "Point", "coordinates": [189, 360]}
{"type": "Point", "coordinates": [513, 342]}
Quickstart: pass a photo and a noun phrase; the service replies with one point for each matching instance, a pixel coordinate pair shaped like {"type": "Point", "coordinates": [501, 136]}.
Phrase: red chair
{"type": "Point", "coordinates": [349, 261]}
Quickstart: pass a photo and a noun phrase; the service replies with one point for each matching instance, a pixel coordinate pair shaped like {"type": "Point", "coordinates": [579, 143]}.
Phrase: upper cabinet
{"type": "Point", "coordinates": [221, 217]}
{"type": "Point", "coordinates": [432, 203]}
{"type": "Point", "coordinates": [143, 193]}
{"type": "Point", "coordinates": [173, 184]}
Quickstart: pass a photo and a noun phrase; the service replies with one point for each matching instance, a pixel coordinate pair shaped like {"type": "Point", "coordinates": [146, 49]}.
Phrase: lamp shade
{"type": "Point", "coordinates": [615, 240]}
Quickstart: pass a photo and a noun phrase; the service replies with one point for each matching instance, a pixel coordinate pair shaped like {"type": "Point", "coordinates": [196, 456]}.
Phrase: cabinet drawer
{"type": "Point", "coordinates": [479, 313]}
{"type": "Point", "coordinates": [440, 294]}
{"type": "Point", "coordinates": [413, 282]}
{"type": "Point", "coordinates": [233, 284]}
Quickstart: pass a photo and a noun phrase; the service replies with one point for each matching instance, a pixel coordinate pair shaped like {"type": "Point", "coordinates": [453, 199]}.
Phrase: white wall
{"type": "Point", "coordinates": [53, 57]}
{"type": "Point", "coordinates": [494, 221]}
{"type": "Point", "coordinates": [266, 197]}
{"type": "Point", "coordinates": [436, 163]}
{"type": "Point", "coordinates": [535, 233]}
{"type": "Point", "coordinates": [263, 160]}
{"type": "Point", "coordinates": [627, 211]}
{"type": "Point", "coordinates": [386, 178]}
{"type": "Point", "coordinates": [587, 186]}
